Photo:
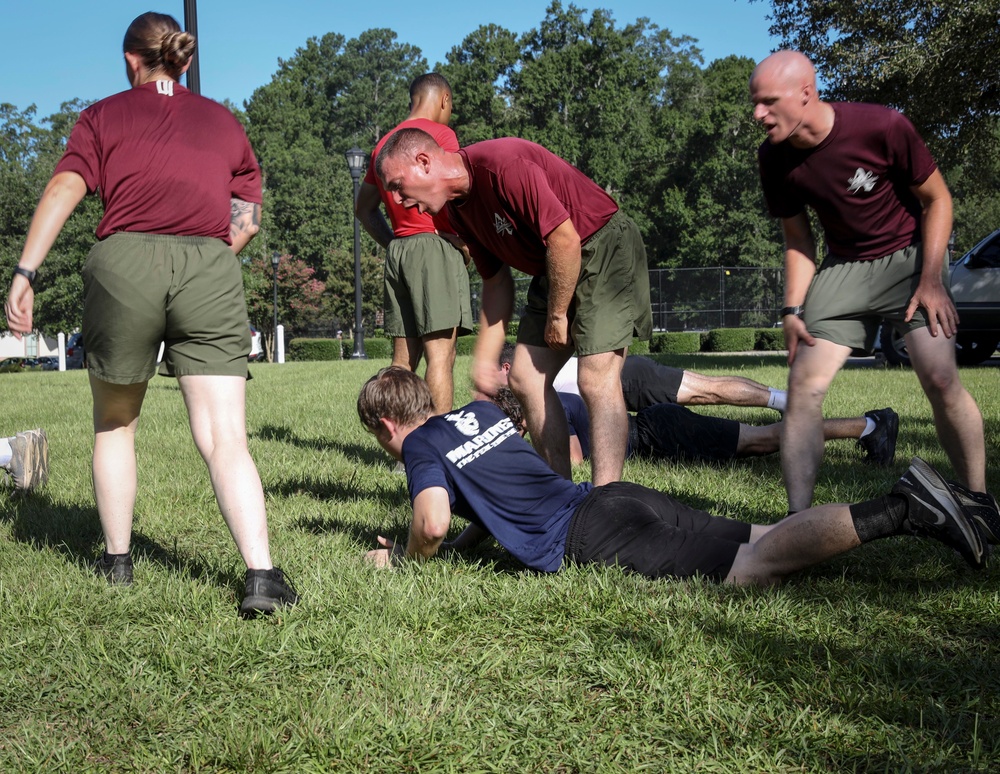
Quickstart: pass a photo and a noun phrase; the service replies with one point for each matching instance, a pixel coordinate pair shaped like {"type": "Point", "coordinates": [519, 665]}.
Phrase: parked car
{"type": "Point", "coordinates": [975, 286]}
{"type": "Point", "coordinates": [75, 355]}
{"type": "Point", "coordinates": [14, 365]}
{"type": "Point", "coordinates": [49, 363]}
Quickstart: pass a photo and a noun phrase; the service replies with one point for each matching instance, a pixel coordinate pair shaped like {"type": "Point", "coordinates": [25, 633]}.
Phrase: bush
{"type": "Point", "coordinates": [376, 349]}
{"type": "Point", "coordinates": [638, 347]}
{"type": "Point", "coordinates": [681, 343]}
{"type": "Point", "coordinates": [314, 349]}
{"type": "Point", "coordinates": [731, 340]}
{"type": "Point", "coordinates": [465, 344]}
{"type": "Point", "coordinates": [770, 339]}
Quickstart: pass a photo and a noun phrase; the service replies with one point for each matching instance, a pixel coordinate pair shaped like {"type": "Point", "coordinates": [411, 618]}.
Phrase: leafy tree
{"type": "Point", "coordinates": [340, 289]}
{"type": "Point", "coordinates": [936, 61]}
{"type": "Point", "coordinates": [300, 296]}
{"type": "Point", "coordinates": [480, 71]}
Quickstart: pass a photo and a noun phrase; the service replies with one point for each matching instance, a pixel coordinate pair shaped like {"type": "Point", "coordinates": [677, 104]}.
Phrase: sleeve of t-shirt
{"type": "Point", "coordinates": [526, 190]}
{"type": "Point", "coordinates": [908, 153]}
{"type": "Point", "coordinates": [246, 183]}
{"type": "Point", "coordinates": [83, 152]}
{"type": "Point", "coordinates": [424, 468]}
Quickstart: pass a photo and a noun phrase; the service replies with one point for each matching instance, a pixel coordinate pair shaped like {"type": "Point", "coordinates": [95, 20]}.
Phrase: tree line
{"type": "Point", "coordinates": [632, 105]}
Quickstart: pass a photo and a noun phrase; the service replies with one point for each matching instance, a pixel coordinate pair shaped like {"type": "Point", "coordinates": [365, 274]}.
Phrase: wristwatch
{"type": "Point", "coordinates": [27, 274]}
{"type": "Point", "coordinates": [796, 310]}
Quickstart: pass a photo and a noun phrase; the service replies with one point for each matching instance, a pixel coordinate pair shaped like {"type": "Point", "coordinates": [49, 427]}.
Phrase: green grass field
{"type": "Point", "coordinates": [883, 660]}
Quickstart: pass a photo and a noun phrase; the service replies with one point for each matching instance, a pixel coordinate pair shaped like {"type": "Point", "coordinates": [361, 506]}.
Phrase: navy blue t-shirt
{"type": "Point", "coordinates": [495, 480]}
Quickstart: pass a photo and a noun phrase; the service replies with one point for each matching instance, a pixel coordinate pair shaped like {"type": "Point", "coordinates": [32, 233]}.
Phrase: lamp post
{"type": "Point", "coordinates": [356, 164]}
{"type": "Point", "coordinates": [275, 260]}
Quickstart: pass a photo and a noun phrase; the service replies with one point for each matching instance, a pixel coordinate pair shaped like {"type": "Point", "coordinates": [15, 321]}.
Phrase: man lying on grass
{"type": "Point", "coordinates": [474, 463]}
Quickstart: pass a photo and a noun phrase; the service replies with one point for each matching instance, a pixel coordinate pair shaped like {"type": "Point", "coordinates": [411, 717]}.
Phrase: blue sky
{"type": "Point", "coordinates": [57, 50]}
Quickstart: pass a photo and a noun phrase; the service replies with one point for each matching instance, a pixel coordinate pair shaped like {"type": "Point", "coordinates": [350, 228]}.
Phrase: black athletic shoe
{"type": "Point", "coordinates": [983, 509]}
{"type": "Point", "coordinates": [936, 512]}
{"type": "Point", "coordinates": [266, 591]}
{"type": "Point", "coordinates": [879, 445]}
{"type": "Point", "coordinates": [115, 568]}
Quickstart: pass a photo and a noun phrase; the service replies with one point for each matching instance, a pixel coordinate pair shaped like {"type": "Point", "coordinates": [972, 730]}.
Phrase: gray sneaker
{"type": "Point", "coordinates": [936, 512]}
{"type": "Point", "coordinates": [265, 592]}
{"type": "Point", "coordinates": [29, 462]}
{"type": "Point", "coordinates": [879, 445]}
{"type": "Point", "coordinates": [982, 507]}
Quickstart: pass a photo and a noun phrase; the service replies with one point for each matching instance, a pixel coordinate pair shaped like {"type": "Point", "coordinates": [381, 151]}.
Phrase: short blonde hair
{"type": "Point", "coordinates": [397, 394]}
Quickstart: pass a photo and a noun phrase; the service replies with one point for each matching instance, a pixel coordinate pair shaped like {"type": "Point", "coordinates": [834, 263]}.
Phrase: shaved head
{"type": "Point", "coordinates": [791, 68]}
{"type": "Point", "coordinates": [786, 102]}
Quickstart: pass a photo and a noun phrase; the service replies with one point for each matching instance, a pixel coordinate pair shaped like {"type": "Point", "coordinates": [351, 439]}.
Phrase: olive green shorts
{"type": "Point", "coordinates": [610, 307]}
{"type": "Point", "coordinates": [143, 289]}
{"type": "Point", "coordinates": [426, 288]}
{"type": "Point", "coordinates": [848, 299]}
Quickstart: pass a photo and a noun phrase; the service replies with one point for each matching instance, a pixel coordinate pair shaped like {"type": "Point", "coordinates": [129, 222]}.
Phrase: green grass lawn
{"type": "Point", "coordinates": [883, 660]}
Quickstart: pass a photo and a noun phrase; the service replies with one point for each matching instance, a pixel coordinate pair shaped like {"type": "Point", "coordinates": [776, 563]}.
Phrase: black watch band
{"type": "Point", "coordinates": [796, 310]}
{"type": "Point", "coordinates": [27, 274]}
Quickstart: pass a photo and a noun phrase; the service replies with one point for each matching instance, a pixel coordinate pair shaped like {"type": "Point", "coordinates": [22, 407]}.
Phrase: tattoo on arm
{"type": "Point", "coordinates": [244, 222]}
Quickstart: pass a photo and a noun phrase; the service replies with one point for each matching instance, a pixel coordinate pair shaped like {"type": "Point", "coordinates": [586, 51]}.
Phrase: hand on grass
{"type": "Point", "coordinates": [388, 556]}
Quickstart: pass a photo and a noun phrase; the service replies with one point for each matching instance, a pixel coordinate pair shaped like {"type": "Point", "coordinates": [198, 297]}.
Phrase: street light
{"type": "Point", "coordinates": [356, 164]}
{"type": "Point", "coordinates": [275, 260]}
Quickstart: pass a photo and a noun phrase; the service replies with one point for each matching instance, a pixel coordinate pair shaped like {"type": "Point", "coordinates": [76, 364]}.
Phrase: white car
{"type": "Point", "coordinates": [975, 286]}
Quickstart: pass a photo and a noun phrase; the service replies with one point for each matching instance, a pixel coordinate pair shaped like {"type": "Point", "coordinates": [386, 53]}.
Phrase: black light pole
{"type": "Point", "coordinates": [356, 164]}
{"type": "Point", "coordinates": [191, 25]}
{"type": "Point", "coordinates": [275, 260]}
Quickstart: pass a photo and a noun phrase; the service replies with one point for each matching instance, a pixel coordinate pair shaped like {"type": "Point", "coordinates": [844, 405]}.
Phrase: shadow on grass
{"type": "Point", "coordinates": [361, 452]}
{"type": "Point", "coordinates": [76, 533]}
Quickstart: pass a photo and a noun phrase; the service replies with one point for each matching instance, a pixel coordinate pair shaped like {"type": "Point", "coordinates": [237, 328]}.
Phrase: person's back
{"type": "Point", "coordinates": [496, 480]}
{"type": "Point", "coordinates": [164, 161]}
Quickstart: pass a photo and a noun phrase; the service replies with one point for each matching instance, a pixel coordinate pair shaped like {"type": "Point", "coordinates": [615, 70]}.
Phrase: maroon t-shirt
{"type": "Point", "coordinates": [519, 193]}
{"type": "Point", "coordinates": [165, 161]}
{"type": "Point", "coordinates": [857, 180]}
{"type": "Point", "coordinates": [407, 222]}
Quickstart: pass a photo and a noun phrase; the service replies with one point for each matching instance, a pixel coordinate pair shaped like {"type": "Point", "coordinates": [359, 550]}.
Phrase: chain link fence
{"type": "Point", "coordinates": [694, 299]}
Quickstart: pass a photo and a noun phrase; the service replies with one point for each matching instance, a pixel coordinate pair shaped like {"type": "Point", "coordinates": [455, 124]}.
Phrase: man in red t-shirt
{"type": "Point", "coordinates": [427, 301]}
{"type": "Point", "coordinates": [518, 205]}
{"type": "Point", "coordinates": [886, 214]}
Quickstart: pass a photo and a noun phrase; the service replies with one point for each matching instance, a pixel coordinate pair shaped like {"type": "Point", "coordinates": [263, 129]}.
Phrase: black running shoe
{"type": "Point", "coordinates": [115, 568]}
{"type": "Point", "coordinates": [879, 445]}
{"type": "Point", "coordinates": [936, 512]}
{"type": "Point", "coordinates": [982, 507]}
{"type": "Point", "coordinates": [266, 591]}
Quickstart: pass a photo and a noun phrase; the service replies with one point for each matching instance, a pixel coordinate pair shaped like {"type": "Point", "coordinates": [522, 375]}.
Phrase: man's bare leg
{"type": "Point", "coordinates": [601, 390]}
{"type": "Point", "coordinates": [530, 379]}
{"type": "Point", "coordinates": [801, 435]}
{"type": "Point", "coordinates": [406, 352]}
{"type": "Point", "coordinates": [439, 351]}
{"type": "Point", "coordinates": [957, 418]}
{"type": "Point", "coordinates": [798, 541]}
{"type": "Point", "coordinates": [757, 440]}
{"type": "Point", "coordinates": [701, 390]}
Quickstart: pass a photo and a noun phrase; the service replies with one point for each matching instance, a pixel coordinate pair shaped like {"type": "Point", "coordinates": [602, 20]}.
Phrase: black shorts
{"type": "Point", "coordinates": [646, 382]}
{"type": "Point", "coordinates": [671, 432]}
{"type": "Point", "coordinates": [651, 533]}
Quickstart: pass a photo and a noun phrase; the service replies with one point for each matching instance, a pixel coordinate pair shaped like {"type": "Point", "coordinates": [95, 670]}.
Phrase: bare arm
{"type": "Point", "coordinates": [431, 519]}
{"type": "Point", "coordinates": [63, 192]}
{"type": "Point", "coordinates": [936, 222]}
{"type": "Point", "coordinates": [497, 306]}
{"type": "Point", "coordinates": [244, 223]}
{"type": "Point", "coordinates": [562, 267]}
{"type": "Point", "coordinates": [575, 450]}
{"type": "Point", "coordinates": [368, 209]}
{"type": "Point", "coordinates": [800, 268]}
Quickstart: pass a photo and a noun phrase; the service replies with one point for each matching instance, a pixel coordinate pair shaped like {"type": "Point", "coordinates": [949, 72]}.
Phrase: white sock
{"type": "Point", "coordinates": [869, 426]}
{"type": "Point", "coordinates": [5, 452]}
{"type": "Point", "coordinates": [778, 400]}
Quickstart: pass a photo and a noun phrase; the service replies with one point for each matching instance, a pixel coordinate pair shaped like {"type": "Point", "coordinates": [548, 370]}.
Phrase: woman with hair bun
{"type": "Point", "coordinates": [181, 191]}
